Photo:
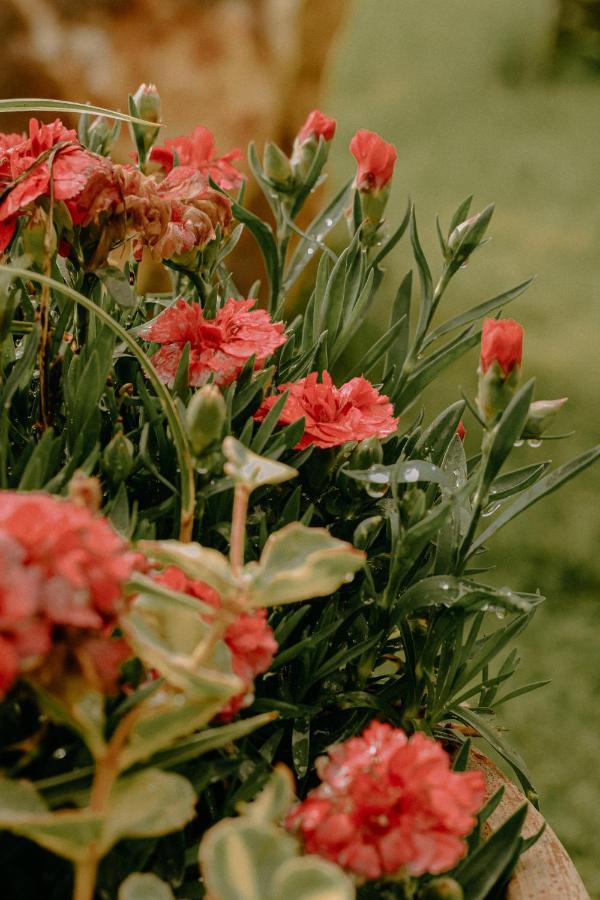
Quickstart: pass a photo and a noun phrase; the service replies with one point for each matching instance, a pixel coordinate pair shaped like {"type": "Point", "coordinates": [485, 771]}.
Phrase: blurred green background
{"type": "Point", "coordinates": [464, 90]}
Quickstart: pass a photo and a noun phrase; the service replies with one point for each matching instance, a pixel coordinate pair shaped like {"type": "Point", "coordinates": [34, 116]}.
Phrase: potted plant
{"type": "Point", "coordinates": [244, 617]}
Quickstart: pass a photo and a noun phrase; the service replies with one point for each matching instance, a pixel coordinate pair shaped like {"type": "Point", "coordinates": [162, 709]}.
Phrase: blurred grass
{"type": "Point", "coordinates": [461, 88]}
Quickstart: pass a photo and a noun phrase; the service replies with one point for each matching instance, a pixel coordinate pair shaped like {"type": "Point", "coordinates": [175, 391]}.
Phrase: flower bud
{"type": "Point", "coordinates": [375, 158]}
{"type": "Point", "coordinates": [101, 135]}
{"type": "Point", "coordinates": [441, 889]}
{"type": "Point", "coordinates": [541, 414]}
{"type": "Point", "coordinates": [366, 532]}
{"type": "Point", "coordinates": [147, 101]}
{"type": "Point", "coordinates": [366, 454]}
{"type": "Point", "coordinates": [467, 236]}
{"type": "Point", "coordinates": [277, 167]}
{"type": "Point", "coordinates": [461, 430]}
{"type": "Point", "coordinates": [500, 366]}
{"type": "Point", "coordinates": [117, 459]}
{"type": "Point", "coordinates": [205, 417]}
{"type": "Point", "coordinates": [316, 126]}
{"type": "Point", "coordinates": [145, 104]}
{"type": "Point", "coordinates": [85, 490]}
{"type": "Point", "coordinates": [39, 241]}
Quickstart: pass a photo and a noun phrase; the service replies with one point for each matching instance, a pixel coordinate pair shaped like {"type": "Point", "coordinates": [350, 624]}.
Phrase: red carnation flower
{"type": "Point", "coordinates": [375, 158]}
{"type": "Point", "coordinates": [249, 637]}
{"type": "Point", "coordinates": [221, 345]}
{"type": "Point", "coordinates": [197, 149]}
{"type": "Point", "coordinates": [333, 416]}
{"type": "Point", "coordinates": [501, 341]}
{"type": "Point", "coordinates": [317, 125]}
{"type": "Point", "coordinates": [60, 566]}
{"type": "Point", "coordinates": [72, 166]}
{"type": "Point", "coordinates": [389, 803]}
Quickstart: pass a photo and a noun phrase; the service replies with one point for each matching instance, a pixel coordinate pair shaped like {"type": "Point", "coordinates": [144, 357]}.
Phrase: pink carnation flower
{"type": "Point", "coordinates": [197, 149]}
{"type": "Point", "coordinates": [333, 416]}
{"type": "Point", "coordinates": [60, 567]}
{"type": "Point", "coordinates": [249, 637]}
{"type": "Point", "coordinates": [388, 803]}
{"type": "Point", "coordinates": [221, 345]}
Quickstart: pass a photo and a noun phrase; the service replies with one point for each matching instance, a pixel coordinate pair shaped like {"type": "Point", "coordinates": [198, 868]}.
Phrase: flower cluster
{"type": "Point", "coordinates": [388, 803]}
{"type": "Point", "coordinates": [61, 568]}
{"type": "Point", "coordinates": [113, 203]}
{"type": "Point", "coordinates": [218, 346]}
{"type": "Point", "coordinates": [333, 415]}
{"type": "Point", "coordinates": [248, 637]}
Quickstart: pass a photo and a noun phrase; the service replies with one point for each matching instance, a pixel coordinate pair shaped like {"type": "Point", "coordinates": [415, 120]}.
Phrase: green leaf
{"type": "Point", "coordinates": [269, 424]}
{"type": "Point", "coordinates": [311, 878]}
{"type": "Point", "coordinates": [145, 886]}
{"type": "Point", "coordinates": [203, 742]}
{"type": "Point", "coordinates": [22, 369]}
{"type": "Point", "coordinates": [487, 731]}
{"type": "Point", "coordinates": [266, 242]}
{"type": "Point", "coordinates": [66, 833]}
{"type": "Point", "coordinates": [461, 593]}
{"type": "Point", "coordinates": [377, 352]}
{"type": "Point", "coordinates": [403, 472]}
{"type": "Point", "coordinates": [117, 285]}
{"type": "Point", "coordinates": [545, 486]}
{"type": "Point", "coordinates": [301, 746]}
{"type": "Point", "coordinates": [503, 436]}
{"type": "Point", "coordinates": [298, 563]}
{"type": "Point", "coordinates": [389, 244]}
{"type": "Point", "coordinates": [246, 467]}
{"type": "Point", "coordinates": [320, 226]}
{"type": "Point", "coordinates": [477, 312]}
{"type": "Point", "coordinates": [239, 858]}
{"type": "Point", "coordinates": [42, 104]}
{"type": "Point", "coordinates": [199, 563]}
{"type": "Point", "coordinates": [426, 301]}
{"type": "Point", "coordinates": [147, 804]}
{"type": "Point", "coordinates": [432, 365]}
{"type": "Point", "coordinates": [275, 799]}
{"type": "Point", "coordinates": [483, 868]}
{"type": "Point", "coordinates": [435, 439]}
{"type": "Point", "coordinates": [72, 702]}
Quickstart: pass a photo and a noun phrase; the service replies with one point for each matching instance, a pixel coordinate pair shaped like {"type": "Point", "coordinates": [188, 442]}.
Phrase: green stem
{"type": "Point", "coordinates": [184, 457]}
{"type": "Point", "coordinates": [85, 879]}
{"type": "Point", "coordinates": [238, 527]}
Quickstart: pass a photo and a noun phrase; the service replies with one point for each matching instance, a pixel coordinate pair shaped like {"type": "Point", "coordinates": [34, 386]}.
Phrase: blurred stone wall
{"type": "Point", "coordinates": [244, 68]}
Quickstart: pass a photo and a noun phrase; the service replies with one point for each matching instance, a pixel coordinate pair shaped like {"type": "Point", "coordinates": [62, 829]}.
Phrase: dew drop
{"type": "Point", "coordinates": [534, 443]}
{"type": "Point", "coordinates": [518, 444]}
{"type": "Point", "coordinates": [310, 252]}
{"type": "Point", "coordinates": [329, 222]}
{"type": "Point", "coordinates": [377, 491]}
{"type": "Point", "coordinates": [379, 478]}
{"type": "Point", "coordinates": [491, 509]}
{"type": "Point", "coordinates": [500, 613]}
{"type": "Point", "coordinates": [60, 753]}
{"type": "Point", "coordinates": [411, 475]}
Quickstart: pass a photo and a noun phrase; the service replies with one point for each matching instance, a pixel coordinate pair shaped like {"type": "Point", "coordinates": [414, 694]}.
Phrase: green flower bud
{"type": "Point", "coordinates": [145, 104]}
{"type": "Point", "coordinates": [496, 390]}
{"type": "Point", "coordinates": [39, 241]}
{"type": "Point", "coordinates": [541, 414]}
{"type": "Point", "coordinates": [277, 167]}
{"type": "Point", "coordinates": [205, 417]}
{"type": "Point", "coordinates": [373, 204]}
{"type": "Point", "coordinates": [117, 459]}
{"type": "Point", "coordinates": [147, 101]}
{"type": "Point", "coordinates": [467, 236]}
{"type": "Point", "coordinates": [366, 532]}
{"type": "Point", "coordinates": [101, 135]}
{"type": "Point", "coordinates": [367, 453]}
{"type": "Point", "coordinates": [441, 889]}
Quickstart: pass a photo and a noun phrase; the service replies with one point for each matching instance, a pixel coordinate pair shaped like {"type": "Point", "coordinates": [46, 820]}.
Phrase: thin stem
{"type": "Point", "coordinates": [238, 527]}
{"type": "Point", "coordinates": [184, 457]}
{"type": "Point", "coordinates": [107, 771]}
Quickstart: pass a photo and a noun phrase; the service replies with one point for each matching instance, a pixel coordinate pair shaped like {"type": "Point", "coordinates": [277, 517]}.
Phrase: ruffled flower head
{"type": "Point", "coordinates": [198, 150]}
{"type": "Point", "coordinates": [219, 346]}
{"type": "Point", "coordinates": [387, 804]}
{"type": "Point", "coordinates": [249, 637]}
{"type": "Point", "coordinates": [60, 567]}
{"type": "Point", "coordinates": [317, 125]}
{"type": "Point", "coordinates": [353, 412]}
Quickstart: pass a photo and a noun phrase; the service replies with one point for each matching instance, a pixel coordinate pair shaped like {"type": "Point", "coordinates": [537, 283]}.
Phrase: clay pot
{"type": "Point", "coordinates": [545, 871]}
